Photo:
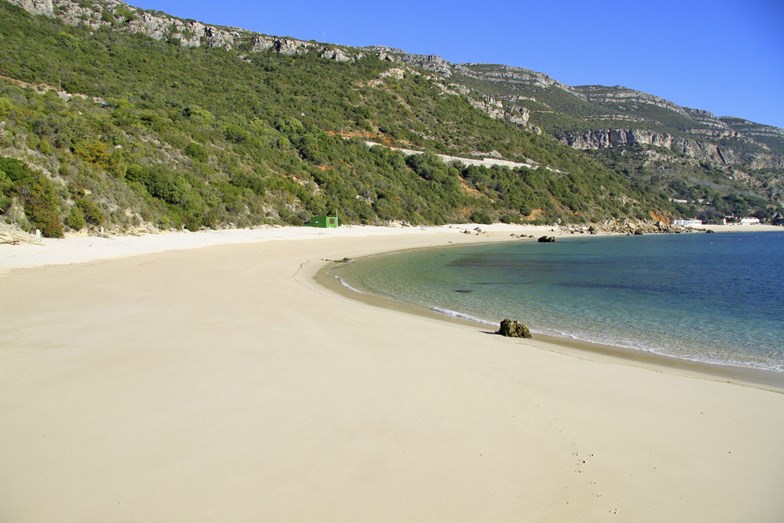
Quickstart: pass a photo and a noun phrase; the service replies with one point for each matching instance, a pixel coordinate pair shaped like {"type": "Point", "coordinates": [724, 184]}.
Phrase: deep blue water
{"type": "Point", "coordinates": [717, 298]}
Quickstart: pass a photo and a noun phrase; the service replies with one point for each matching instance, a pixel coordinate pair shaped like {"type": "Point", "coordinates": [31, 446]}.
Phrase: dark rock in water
{"type": "Point", "coordinates": [514, 329]}
{"type": "Point", "coordinates": [463, 291]}
{"type": "Point", "coordinates": [710, 231]}
{"type": "Point", "coordinates": [638, 232]}
{"type": "Point", "coordinates": [546, 239]}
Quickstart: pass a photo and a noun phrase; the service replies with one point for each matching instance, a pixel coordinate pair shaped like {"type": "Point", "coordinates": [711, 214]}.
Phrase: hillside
{"type": "Point", "coordinates": [687, 153]}
{"type": "Point", "coordinates": [120, 118]}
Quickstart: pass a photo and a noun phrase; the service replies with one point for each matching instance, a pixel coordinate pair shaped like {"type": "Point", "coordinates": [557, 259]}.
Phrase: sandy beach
{"type": "Point", "coordinates": [208, 377]}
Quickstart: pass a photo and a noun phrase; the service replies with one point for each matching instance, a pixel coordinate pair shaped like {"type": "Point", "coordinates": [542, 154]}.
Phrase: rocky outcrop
{"type": "Point", "coordinates": [514, 329]}
{"type": "Point", "coordinates": [41, 7]}
{"type": "Point", "coordinates": [496, 109]}
{"type": "Point", "coordinates": [623, 96]}
{"type": "Point", "coordinates": [699, 150]}
{"type": "Point", "coordinates": [638, 227]}
{"type": "Point", "coordinates": [604, 138]}
{"type": "Point", "coordinates": [752, 129]}
{"type": "Point", "coordinates": [160, 26]}
{"type": "Point", "coordinates": [511, 75]}
{"type": "Point", "coordinates": [428, 62]}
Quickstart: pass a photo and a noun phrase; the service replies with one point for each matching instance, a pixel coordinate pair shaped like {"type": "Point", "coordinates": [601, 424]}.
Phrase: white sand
{"type": "Point", "coordinates": [81, 249]}
{"type": "Point", "coordinates": [223, 384]}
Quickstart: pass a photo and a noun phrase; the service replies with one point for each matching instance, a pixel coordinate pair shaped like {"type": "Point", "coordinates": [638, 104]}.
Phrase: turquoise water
{"type": "Point", "coordinates": [715, 298]}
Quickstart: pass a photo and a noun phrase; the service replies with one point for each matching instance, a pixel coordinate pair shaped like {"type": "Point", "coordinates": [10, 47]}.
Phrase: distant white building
{"type": "Point", "coordinates": [749, 221]}
{"type": "Point", "coordinates": [693, 222]}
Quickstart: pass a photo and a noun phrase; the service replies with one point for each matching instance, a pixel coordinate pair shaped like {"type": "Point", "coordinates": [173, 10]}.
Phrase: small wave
{"type": "Point", "coordinates": [456, 314]}
{"type": "Point", "coordinates": [688, 355]}
{"type": "Point", "coordinates": [347, 286]}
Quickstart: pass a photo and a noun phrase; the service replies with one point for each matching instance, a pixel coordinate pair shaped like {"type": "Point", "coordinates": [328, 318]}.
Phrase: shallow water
{"type": "Point", "coordinates": [715, 298]}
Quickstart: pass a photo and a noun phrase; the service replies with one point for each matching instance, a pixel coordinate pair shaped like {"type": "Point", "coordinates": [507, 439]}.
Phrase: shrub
{"type": "Point", "coordinates": [91, 213]}
{"type": "Point", "coordinates": [75, 219]}
{"type": "Point", "coordinates": [41, 207]}
{"type": "Point", "coordinates": [16, 171]}
{"type": "Point", "coordinates": [41, 202]}
{"type": "Point", "coordinates": [481, 217]}
{"type": "Point", "coordinates": [197, 152]}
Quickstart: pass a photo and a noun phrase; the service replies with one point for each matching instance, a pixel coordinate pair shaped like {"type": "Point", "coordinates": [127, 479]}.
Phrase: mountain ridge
{"type": "Point", "coordinates": [194, 33]}
{"type": "Point", "coordinates": [313, 101]}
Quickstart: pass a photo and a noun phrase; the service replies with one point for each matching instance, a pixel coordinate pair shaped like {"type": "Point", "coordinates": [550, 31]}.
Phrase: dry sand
{"type": "Point", "coordinates": [224, 384]}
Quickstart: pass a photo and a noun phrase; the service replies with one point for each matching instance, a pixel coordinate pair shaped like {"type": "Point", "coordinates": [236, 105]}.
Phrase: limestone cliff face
{"type": "Point", "coordinates": [41, 7]}
{"type": "Point", "coordinates": [160, 26]}
{"type": "Point", "coordinates": [605, 138]}
{"type": "Point", "coordinates": [697, 149]}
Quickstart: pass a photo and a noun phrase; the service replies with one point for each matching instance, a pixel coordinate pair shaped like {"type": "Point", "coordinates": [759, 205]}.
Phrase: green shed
{"type": "Point", "coordinates": [327, 222]}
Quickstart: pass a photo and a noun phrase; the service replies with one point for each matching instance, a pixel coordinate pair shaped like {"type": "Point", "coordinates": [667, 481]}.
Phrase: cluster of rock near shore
{"type": "Point", "coordinates": [629, 227]}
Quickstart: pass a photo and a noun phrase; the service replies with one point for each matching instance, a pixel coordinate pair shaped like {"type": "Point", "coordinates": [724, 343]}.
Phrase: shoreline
{"type": "Point", "coordinates": [77, 249]}
{"type": "Point", "coordinates": [763, 378]}
{"type": "Point", "coordinates": [223, 382]}
{"type": "Point", "coordinates": [83, 249]}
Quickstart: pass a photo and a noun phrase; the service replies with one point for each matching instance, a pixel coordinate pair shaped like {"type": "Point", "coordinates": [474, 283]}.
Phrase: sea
{"type": "Point", "coordinates": [712, 298]}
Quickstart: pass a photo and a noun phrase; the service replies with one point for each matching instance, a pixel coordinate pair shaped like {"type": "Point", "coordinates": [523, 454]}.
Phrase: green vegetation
{"type": "Point", "coordinates": [37, 194]}
{"type": "Point", "coordinates": [148, 132]}
{"type": "Point", "coordinates": [709, 194]}
{"type": "Point", "coordinates": [748, 166]}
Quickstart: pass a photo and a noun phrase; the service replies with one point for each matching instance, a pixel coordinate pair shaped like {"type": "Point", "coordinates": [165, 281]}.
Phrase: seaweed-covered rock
{"type": "Point", "coordinates": [514, 329]}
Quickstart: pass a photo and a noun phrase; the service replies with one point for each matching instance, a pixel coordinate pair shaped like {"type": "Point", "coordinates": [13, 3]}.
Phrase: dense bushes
{"type": "Point", "coordinates": [37, 194]}
{"type": "Point", "coordinates": [196, 138]}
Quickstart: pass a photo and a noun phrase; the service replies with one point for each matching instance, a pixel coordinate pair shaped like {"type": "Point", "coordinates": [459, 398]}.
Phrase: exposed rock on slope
{"type": "Point", "coordinates": [161, 26]}
{"type": "Point", "coordinates": [597, 117]}
{"type": "Point", "coordinates": [699, 150]}
{"type": "Point", "coordinates": [517, 95]}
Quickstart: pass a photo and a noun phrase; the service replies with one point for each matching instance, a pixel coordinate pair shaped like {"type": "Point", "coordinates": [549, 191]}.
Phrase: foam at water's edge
{"type": "Point", "coordinates": [660, 351]}
{"type": "Point", "coordinates": [608, 341]}
{"type": "Point", "coordinates": [625, 344]}
{"type": "Point", "coordinates": [348, 286]}
{"type": "Point", "coordinates": [458, 314]}
{"type": "Point", "coordinates": [514, 281]}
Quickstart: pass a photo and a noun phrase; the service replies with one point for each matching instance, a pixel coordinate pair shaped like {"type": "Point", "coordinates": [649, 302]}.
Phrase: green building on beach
{"type": "Point", "coordinates": [326, 222]}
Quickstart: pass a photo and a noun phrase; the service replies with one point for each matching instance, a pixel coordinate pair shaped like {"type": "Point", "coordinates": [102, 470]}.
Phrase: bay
{"type": "Point", "coordinates": [716, 298]}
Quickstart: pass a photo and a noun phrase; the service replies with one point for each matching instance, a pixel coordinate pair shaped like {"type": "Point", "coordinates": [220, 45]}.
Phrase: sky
{"type": "Point", "coordinates": [724, 56]}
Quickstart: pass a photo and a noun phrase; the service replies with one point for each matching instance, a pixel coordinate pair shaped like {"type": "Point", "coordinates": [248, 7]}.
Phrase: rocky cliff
{"type": "Point", "coordinates": [161, 26]}
{"type": "Point", "coordinates": [598, 117]}
{"type": "Point", "coordinates": [700, 150]}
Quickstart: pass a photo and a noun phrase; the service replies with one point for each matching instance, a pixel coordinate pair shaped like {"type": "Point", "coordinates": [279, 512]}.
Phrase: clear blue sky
{"type": "Point", "coordinates": [725, 56]}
